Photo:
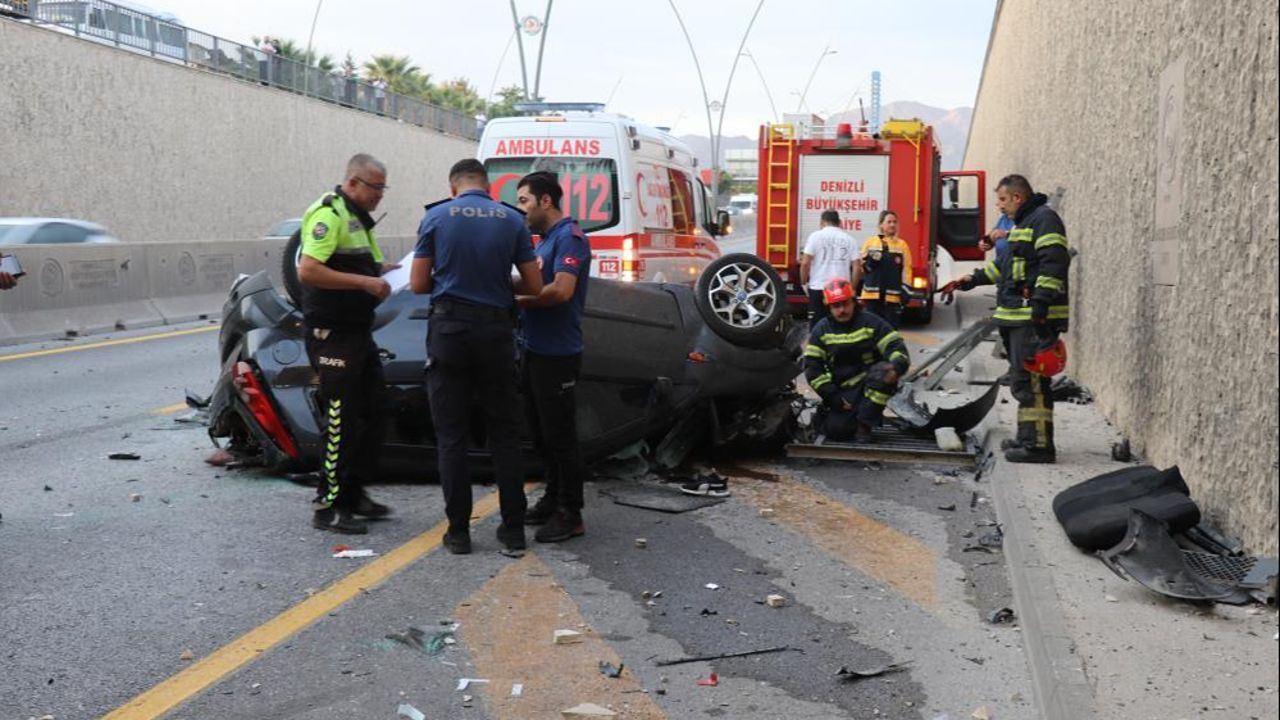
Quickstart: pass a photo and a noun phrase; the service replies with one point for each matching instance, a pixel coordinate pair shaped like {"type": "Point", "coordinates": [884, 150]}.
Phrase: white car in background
{"type": "Point", "coordinates": [52, 231]}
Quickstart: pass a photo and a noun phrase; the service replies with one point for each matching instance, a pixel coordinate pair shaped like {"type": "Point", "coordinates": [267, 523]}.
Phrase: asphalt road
{"type": "Point", "coordinates": [119, 576]}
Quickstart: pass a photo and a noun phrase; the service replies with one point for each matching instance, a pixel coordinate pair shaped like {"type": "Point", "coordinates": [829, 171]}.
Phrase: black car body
{"type": "Point", "coordinates": [656, 355]}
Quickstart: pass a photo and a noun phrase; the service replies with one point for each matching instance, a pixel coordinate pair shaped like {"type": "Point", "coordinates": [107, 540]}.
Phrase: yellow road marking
{"type": "Point", "coordinates": [919, 338]}
{"type": "Point", "coordinates": [907, 565]}
{"type": "Point", "coordinates": [106, 343]}
{"type": "Point", "coordinates": [508, 625]}
{"type": "Point", "coordinates": [244, 649]}
{"type": "Point", "coordinates": [169, 409]}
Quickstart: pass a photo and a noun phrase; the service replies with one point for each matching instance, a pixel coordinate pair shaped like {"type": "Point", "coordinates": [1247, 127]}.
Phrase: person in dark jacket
{"type": "Point", "coordinates": [853, 361]}
{"type": "Point", "coordinates": [1031, 308]}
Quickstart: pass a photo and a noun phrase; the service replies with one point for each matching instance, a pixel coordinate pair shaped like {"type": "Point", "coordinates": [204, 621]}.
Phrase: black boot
{"type": "Point", "coordinates": [863, 435]}
{"type": "Point", "coordinates": [339, 520]}
{"type": "Point", "coordinates": [512, 538]}
{"type": "Point", "coordinates": [1010, 443]}
{"type": "Point", "coordinates": [563, 525]}
{"type": "Point", "coordinates": [541, 511]}
{"type": "Point", "coordinates": [458, 543]}
{"type": "Point", "coordinates": [1022, 454]}
{"type": "Point", "coordinates": [366, 507]}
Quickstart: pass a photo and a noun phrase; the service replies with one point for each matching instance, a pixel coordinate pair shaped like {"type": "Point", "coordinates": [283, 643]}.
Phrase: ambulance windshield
{"type": "Point", "coordinates": [590, 185]}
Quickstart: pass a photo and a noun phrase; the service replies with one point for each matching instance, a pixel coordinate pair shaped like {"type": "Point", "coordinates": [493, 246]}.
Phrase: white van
{"type": "Point", "coordinates": [634, 189]}
{"type": "Point", "coordinates": [744, 203]}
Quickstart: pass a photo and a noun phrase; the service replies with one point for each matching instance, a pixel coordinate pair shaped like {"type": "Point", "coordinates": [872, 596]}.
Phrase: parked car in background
{"type": "Point", "coordinates": [52, 231]}
{"type": "Point", "coordinates": [284, 229]}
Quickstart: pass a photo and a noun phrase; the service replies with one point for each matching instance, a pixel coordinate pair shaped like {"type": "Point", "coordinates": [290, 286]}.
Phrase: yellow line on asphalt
{"type": "Point", "coordinates": [186, 684]}
{"type": "Point", "coordinates": [106, 343]}
{"type": "Point", "coordinates": [169, 409]}
{"type": "Point", "coordinates": [919, 338]}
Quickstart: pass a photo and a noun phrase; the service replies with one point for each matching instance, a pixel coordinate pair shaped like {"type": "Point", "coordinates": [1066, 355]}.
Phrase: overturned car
{"type": "Point", "coordinates": [663, 363]}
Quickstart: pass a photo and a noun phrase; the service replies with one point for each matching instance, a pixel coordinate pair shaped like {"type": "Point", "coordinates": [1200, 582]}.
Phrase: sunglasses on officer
{"type": "Point", "coordinates": [376, 187]}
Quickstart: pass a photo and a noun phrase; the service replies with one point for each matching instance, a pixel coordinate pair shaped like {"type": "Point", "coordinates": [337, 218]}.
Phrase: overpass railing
{"type": "Point", "coordinates": [163, 37]}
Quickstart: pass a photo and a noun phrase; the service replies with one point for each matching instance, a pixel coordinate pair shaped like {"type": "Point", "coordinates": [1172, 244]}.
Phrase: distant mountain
{"type": "Point", "coordinates": [951, 128]}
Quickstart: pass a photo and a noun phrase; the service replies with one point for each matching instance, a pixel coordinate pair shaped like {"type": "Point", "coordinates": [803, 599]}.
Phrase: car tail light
{"type": "Point", "coordinates": [920, 283]}
{"type": "Point", "coordinates": [251, 394]}
{"type": "Point", "coordinates": [630, 267]}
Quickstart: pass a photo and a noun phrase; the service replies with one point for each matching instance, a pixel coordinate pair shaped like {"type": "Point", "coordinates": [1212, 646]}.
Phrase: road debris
{"type": "Point", "coordinates": [566, 637]}
{"type": "Point", "coordinates": [723, 656]}
{"type": "Point", "coordinates": [711, 586]}
{"type": "Point", "coordinates": [1000, 616]}
{"type": "Point", "coordinates": [948, 439]}
{"type": "Point", "coordinates": [950, 507]}
{"type": "Point", "coordinates": [124, 456]}
{"type": "Point", "coordinates": [642, 543]}
{"type": "Point", "coordinates": [416, 638]}
{"type": "Point", "coordinates": [982, 713]}
{"type": "Point", "coordinates": [135, 497]}
{"type": "Point", "coordinates": [408, 711]}
{"type": "Point", "coordinates": [587, 710]}
{"type": "Point", "coordinates": [517, 690]}
{"type": "Point", "coordinates": [854, 674]}
{"type": "Point", "coordinates": [993, 539]}
{"type": "Point", "coordinates": [354, 554]}
{"type": "Point", "coordinates": [1121, 452]}
{"type": "Point", "coordinates": [775, 601]}
{"type": "Point", "coordinates": [711, 680]}
{"type": "Point", "coordinates": [186, 656]}
{"type": "Point", "coordinates": [766, 512]}
{"type": "Point", "coordinates": [220, 457]}
{"type": "Point", "coordinates": [610, 670]}
{"type": "Point", "coordinates": [464, 683]}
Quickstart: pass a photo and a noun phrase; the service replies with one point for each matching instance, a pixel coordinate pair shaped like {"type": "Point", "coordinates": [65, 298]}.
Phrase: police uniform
{"type": "Point", "coordinates": [840, 364]}
{"type": "Point", "coordinates": [351, 400]}
{"type": "Point", "coordinates": [472, 242]}
{"type": "Point", "coordinates": [552, 340]}
{"type": "Point", "coordinates": [1031, 310]}
{"type": "Point", "coordinates": [887, 264]}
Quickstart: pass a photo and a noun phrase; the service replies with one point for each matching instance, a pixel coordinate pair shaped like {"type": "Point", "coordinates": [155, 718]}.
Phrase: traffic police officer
{"type": "Point", "coordinates": [1031, 308]}
{"type": "Point", "coordinates": [466, 247]}
{"type": "Point", "coordinates": [552, 340]}
{"type": "Point", "coordinates": [853, 361]}
{"type": "Point", "coordinates": [340, 271]}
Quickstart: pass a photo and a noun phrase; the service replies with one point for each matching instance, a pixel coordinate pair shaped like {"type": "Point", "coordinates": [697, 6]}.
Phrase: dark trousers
{"type": "Point", "coordinates": [817, 307]}
{"type": "Point", "coordinates": [867, 409]}
{"type": "Point", "coordinates": [1035, 401]}
{"type": "Point", "coordinates": [471, 363]}
{"type": "Point", "coordinates": [550, 383]}
{"type": "Point", "coordinates": [890, 312]}
{"type": "Point", "coordinates": [350, 407]}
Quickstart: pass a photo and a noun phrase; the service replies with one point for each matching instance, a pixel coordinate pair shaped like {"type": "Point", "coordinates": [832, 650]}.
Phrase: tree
{"type": "Point", "coordinates": [399, 73]}
{"type": "Point", "coordinates": [457, 94]}
{"type": "Point", "coordinates": [291, 50]}
{"type": "Point", "coordinates": [349, 67]}
{"type": "Point", "coordinates": [505, 106]}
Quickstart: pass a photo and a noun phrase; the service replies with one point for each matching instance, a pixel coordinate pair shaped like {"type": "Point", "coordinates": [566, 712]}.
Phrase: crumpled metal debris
{"type": "Point", "coordinates": [849, 674]}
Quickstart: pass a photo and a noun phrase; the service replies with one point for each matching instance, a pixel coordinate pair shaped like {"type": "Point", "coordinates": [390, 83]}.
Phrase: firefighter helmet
{"type": "Point", "coordinates": [1049, 360]}
{"type": "Point", "coordinates": [837, 290]}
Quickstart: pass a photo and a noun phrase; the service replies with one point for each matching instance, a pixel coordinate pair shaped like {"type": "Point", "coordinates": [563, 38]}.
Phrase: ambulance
{"type": "Point", "coordinates": [634, 189]}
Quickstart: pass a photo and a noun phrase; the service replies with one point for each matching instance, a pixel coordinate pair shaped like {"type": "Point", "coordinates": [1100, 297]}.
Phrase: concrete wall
{"type": "Point", "coordinates": [1157, 122]}
{"type": "Point", "coordinates": [160, 152]}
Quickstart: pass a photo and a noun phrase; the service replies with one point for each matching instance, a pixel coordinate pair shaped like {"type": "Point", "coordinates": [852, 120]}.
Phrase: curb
{"type": "Point", "coordinates": [1062, 689]}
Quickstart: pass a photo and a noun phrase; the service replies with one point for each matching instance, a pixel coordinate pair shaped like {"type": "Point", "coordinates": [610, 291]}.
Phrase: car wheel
{"type": "Point", "coordinates": [289, 262]}
{"type": "Point", "coordinates": [742, 299]}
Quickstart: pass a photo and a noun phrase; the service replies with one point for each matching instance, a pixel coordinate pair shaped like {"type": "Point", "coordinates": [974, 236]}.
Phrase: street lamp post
{"type": "Point", "coordinates": [306, 60]}
{"type": "Point", "coordinates": [772, 108]}
{"type": "Point", "coordinates": [825, 52]}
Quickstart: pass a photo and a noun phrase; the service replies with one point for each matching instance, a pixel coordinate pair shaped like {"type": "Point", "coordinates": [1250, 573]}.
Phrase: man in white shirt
{"type": "Point", "coordinates": [828, 253]}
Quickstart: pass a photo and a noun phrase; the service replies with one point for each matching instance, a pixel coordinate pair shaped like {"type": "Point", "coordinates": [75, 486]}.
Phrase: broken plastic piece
{"type": "Point", "coordinates": [711, 586]}
{"type": "Point", "coordinates": [464, 683]}
{"type": "Point", "coordinates": [642, 543]}
{"type": "Point", "coordinates": [566, 637]}
{"type": "Point", "coordinates": [124, 456]}
{"type": "Point", "coordinates": [1149, 555]}
{"type": "Point", "coordinates": [948, 439]}
{"type": "Point", "coordinates": [1002, 615]}
{"type": "Point", "coordinates": [723, 656]}
{"type": "Point", "coordinates": [854, 674]}
{"type": "Point", "coordinates": [408, 711]}
{"type": "Point", "coordinates": [517, 689]}
{"type": "Point", "coordinates": [610, 670]}
{"type": "Point", "coordinates": [354, 554]}
{"type": "Point", "coordinates": [919, 419]}
{"type": "Point", "coordinates": [775, 601]}
{"type": "Point", "coordinates": [587, 710]}
{"type": "Point", "coordinates": [982, 713]}
{"type": "Point", "coordinates": [710, 681]}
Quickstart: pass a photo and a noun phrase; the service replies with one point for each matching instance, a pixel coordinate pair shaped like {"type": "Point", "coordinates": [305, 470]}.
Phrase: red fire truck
{"type": "Point", "coordinates": [809, 167]}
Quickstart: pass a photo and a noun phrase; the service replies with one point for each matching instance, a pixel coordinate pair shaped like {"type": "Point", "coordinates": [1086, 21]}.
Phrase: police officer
{"type": "Point", "coordinates": [1031, 308]}
{"type": "Point", "coordinates": [466, 247]}
{"type": "Point", "coordinates": [552, 339]}
{"type": "Point", "coordinates": [853, 361]}
{"type": "Point", "coordinates": [340, 271]}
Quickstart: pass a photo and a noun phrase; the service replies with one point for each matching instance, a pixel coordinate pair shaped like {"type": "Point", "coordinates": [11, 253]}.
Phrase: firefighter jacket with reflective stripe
{"type": "Point", "coordinates": [339, 234]}
{"type": "Point", "coordinates": [839, 354]}
{"type": "Point", "coordinates": [1034, 270]}
{"type": "Point", "coordinates": [887, 262]}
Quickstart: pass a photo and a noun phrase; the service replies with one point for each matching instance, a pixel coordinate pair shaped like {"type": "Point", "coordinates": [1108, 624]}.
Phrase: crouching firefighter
{"type": "Point", "coordinates": [1031, 311]}
{"type": "Point", "coordinates": [853, 361]}
{"type": "Point", "coordinates": [341, 273]}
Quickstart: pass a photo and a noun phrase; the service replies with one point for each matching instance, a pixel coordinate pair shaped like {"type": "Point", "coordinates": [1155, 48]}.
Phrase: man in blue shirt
{"type": "Point", "coordinates": [466, 247]}
{"type": "Point", "coordinates": [552, 339]}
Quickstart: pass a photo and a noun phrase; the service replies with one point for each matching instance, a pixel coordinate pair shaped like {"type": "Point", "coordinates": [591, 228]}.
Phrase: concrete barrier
{"type": "Point", "coordinates": [70, 291]}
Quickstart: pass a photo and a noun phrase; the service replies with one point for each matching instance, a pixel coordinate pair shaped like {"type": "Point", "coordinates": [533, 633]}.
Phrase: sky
{"type": "Point", "coordinates": [632, 54]}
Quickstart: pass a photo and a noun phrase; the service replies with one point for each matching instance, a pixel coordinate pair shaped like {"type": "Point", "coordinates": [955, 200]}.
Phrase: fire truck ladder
{"type": "Point", "coordinates": [778, 197]}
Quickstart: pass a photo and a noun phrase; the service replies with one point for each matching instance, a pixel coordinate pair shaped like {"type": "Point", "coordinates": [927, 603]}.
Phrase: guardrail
{"type": "Point", "coordinates": [70, 291]}
{"type": "Point", "coordinates": [162, 37]}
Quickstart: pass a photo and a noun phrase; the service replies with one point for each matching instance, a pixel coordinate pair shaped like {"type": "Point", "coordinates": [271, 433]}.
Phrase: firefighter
{"type": "Point", "coordinates": [1031, 308]}
{"type": "Point", "coordinates": [341, 270]}
{"type": "Point", "coordinates": [551, 335]}
{"type": "Point", "coordinates": [884, 269]}
{"type": "Point", "coordinates": [466, 247]}
{"type": "Point", "coordinates": [853, 361]}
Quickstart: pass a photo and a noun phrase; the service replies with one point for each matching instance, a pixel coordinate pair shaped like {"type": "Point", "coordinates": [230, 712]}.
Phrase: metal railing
{"type": "Point", "coordinates": [163, 37]}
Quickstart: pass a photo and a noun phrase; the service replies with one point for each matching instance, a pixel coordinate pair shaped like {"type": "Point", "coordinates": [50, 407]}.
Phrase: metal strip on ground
{"type": "Point", "coordinates": [181, 687]}
{"type": "Point", "coordinates": [891, 445]}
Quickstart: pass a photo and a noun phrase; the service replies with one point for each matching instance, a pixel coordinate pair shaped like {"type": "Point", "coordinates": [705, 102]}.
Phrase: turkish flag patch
{"type": "Point", "coordinates": [570, 260]}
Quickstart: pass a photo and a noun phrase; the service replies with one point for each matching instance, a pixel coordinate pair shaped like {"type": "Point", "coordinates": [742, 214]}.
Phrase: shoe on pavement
{"type": "Point", "coordinates": [338, 520]}
{"type": "Point", "coordinates": [564, 524]}
{"type": "Point", "coordinates": [1030, 455]}
{"type": "Point", "coordinates": [457, 543]}
{"type": "Point", "coordinates": [1010, 443]}
{"type": "Point", "coordinates": [540, 511]}
{"type": "Point", "coordinates": [709, 484]}
{"type": "Point", "coordinates": [512, 538]}
{"type": "Point", "coordinates": [367, 507]}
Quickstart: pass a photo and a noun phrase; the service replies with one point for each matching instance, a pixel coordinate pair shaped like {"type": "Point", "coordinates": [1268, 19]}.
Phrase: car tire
{"type": "Point", "coordinates": [742, 299]}
{"type": "Point", "coordinates": [289, 261]}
